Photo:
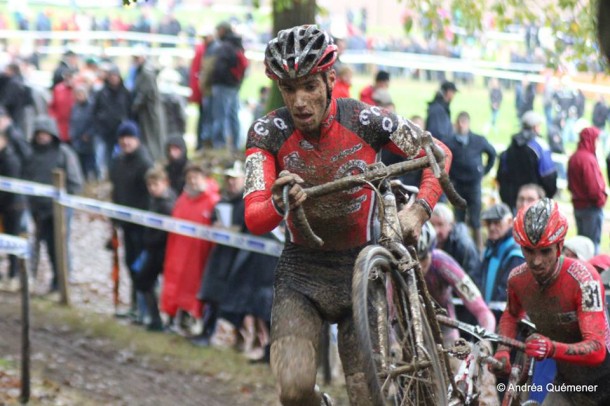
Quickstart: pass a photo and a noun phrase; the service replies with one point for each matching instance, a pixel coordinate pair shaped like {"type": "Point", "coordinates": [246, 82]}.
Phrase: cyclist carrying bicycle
{"type": "Point", "coordinates": [565, 299]}
{"type": "Point", "coordinates": [313, 140]}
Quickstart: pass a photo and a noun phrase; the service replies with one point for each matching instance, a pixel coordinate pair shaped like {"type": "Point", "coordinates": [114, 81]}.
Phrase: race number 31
{"type": "Point", "coordinates": [591, 297]}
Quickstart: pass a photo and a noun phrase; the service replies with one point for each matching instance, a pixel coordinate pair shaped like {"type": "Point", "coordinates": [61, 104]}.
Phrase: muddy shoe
{"type": "Point", "coordinates": [326, 400]}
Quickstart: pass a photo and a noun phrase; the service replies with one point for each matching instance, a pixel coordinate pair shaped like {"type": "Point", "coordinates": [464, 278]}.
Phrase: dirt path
{"type": "Point", "coordinates": [104, 374]}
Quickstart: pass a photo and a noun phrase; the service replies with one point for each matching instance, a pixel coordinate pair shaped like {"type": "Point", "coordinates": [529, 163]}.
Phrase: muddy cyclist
{"type": "Point", "coordinates": [312, 140]}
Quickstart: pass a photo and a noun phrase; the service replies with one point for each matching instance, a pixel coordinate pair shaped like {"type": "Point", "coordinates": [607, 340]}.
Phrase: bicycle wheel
{"type": "Point", "coordinates": [397, 370]}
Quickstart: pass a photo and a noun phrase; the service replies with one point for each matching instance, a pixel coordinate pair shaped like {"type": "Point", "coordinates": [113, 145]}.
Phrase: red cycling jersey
{"type": "Point", "coordinates": [571, 311]}
{"type": "Point", "coordinates": [351, 137]}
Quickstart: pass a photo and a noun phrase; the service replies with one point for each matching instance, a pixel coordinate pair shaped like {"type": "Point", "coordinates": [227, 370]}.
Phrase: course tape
{"type": "Point", "coordinates": [10, 244]}
{"type": "Point", "coordinates": [145, 218]}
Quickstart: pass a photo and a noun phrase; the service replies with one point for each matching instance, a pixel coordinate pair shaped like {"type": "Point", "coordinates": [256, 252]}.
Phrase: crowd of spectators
{"type": "Point", "coordinates": [101, 125]}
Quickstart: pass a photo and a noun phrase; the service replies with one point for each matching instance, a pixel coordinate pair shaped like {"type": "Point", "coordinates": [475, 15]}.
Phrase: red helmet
{"type": "Point", "coordinates": [299, 51]}
{"type": "Point", "coordinates": [540, 225]}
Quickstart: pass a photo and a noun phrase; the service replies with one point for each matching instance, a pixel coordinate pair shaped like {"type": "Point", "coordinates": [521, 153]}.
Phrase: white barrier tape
{"type": "Point", "coordinates": [493, 305]}
{"type": "Point", "coordinates": [25, 187]}
{"type": "Point", "coordinates": [10, 244]}
{"type": "Point", "coordinates": [145, 218]}
{"type": "Point", "coordinates": [170, 224]}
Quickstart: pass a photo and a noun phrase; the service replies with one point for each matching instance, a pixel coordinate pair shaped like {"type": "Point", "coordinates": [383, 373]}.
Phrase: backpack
{"type": "Point", "coordinates": [239, 70]}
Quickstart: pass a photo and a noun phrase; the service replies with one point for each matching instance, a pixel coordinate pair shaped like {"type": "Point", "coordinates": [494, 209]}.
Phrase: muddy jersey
{"type": "Point", "coordinates": [445, 278]}
{"type": "Point", "coordinates": [571, 312]}
{"type": "Point", "coordinates": [351, 137]}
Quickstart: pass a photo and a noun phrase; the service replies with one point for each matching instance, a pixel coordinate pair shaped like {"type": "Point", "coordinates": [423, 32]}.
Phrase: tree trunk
{"type": "Point", "coordinates": [287, 14]}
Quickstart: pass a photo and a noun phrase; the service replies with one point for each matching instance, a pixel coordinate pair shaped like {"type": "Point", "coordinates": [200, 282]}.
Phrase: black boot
{"type": "Point", "coordinates": [153, 310]}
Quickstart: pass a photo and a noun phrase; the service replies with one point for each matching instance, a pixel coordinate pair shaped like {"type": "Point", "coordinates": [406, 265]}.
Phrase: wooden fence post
{"type": "Point", "coordinates": [60, 231]}
{"type": "Point", "coordinates": [25, 333]}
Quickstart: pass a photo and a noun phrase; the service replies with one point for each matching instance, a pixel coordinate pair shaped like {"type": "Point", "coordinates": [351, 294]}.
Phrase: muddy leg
{"type": "Point", "coordinates": [349, 351]}
{"type": "Point", "coordinates": [295, 329]}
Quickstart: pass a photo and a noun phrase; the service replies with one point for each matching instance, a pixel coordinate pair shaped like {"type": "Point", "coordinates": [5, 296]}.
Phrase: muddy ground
{"type": "Point", "coordinates": [72, 365]}
{"type": "Point", "coordinates": [93, 370]}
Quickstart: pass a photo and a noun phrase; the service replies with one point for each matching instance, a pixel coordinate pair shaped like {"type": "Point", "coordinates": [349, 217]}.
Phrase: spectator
{"type": "Point", "coordinates": [501, 255]}
{"type": "Point", "coordinates": [15, 96]}
{"type": "Point", "coordinates": [48, 154]}
{"type": "Point", "coordinates": [382, 81]}
{"type": "Point", "coordinates": [174, 105]}
{"type": "Point", "coordinates": [601, 263]}
{"type": "Point", "coordinates": [12, 205]}
{"type": "Point", "coordinates": [17, 140]}
{"type": "Point", "coordinates": [467, 171]}
{"type": "Point", "coordinates": [343, 83]}
{"type": "Point", "coordinates": [529, 194]}
{"type": "Point", "coordinates": [226, 78]}
{"type": "Point", "coordinates": [524, 97]}
{"type": "Point", "coordinates": [186, 256]}
{"type": "Point", "coordinates": [601, 114]}
{"type": "Point", "coordinates": [111, 106]}
{"type": "Point", "coordinates": [237, 284]}
{"type": "Point", "coordinates": [438, 121]}
{"type": "Point", "coordinates": [495, 101]}
{"type": "Point", "coordinates": [60, 107]}
{"type": "Point", "coordinates": [146, 106]}
{"type": "Point", "coordinates": [588, 188]}
{"type": "Point", "coordinates": [206, 34]}
{"type": "Point", "coordinates": [127, 174]}
{"type": "Point", "coordinates": [162, 200]}
{"type": "Point", "coordinates": [383, 98]}
{"type": "Point", "coordinates": [212, 44]}
{"type": "Point", "coordinates": [453, 238]}
{"type": "Point", "coordinates": [579, 247]}
{"type": "Point", "coordinates": [81, 132]}
{"type": "Point", "coordinates": [68, 63]}
{"type": "Point", "coordinates": [177, 161]}
{"type": "Point", "coordinates": [527, 160]}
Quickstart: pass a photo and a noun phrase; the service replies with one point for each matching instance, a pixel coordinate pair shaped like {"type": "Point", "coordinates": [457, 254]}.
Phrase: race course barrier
{"type": "Point", "coordinates": [148, 219]}
{"type": "Point", "coordinates": [12, 245]}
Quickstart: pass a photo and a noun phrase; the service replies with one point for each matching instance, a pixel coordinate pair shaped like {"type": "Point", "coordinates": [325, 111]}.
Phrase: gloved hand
{"type": "Point", "coordinates": [411, 221]}
{"type": "Point", "coordinates": [296, 196]}
{"type": "Point", "coordinates": [502, 356]}
{"type": "Point", "coordinates": [539, 347]}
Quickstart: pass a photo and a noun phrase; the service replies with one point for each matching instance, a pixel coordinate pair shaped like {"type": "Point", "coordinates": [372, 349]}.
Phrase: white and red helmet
{"type": "Point", "coordinates": [299, 51]}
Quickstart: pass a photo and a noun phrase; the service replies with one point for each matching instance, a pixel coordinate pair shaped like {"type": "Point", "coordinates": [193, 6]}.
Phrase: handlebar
{"type": "Point", "coordinates": [434, 159]}
{"type": "Point", "coordinates": [480, 333]}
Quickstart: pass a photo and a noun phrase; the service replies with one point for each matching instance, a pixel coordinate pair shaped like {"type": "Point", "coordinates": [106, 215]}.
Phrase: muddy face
{"type": "Point", "coordinates": [306, 99]}
{"type": "Point", "coordinates": [541, 261]}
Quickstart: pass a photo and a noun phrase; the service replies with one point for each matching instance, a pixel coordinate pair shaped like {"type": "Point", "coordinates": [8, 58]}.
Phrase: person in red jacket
{"type": "Point", "coordinates": [60, 107]}
{"type": "Point", "coordinates": [195, 83]}
{"type": "Point", "coordinates": [382, 81]}
{"type": "Point", "coordinates": [185, 257]}
{"type": "Point", "coordinates": [588, 187]}
{"type": "Point", "coordinates": [565, 299]}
